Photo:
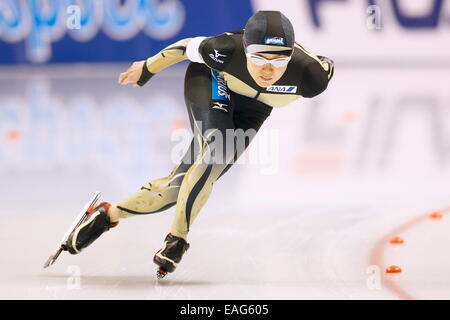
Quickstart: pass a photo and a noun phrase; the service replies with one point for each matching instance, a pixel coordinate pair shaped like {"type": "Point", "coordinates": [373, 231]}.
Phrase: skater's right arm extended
{"type": "Point", "coordinates": [215, 52]}
{"type": "Point", "coordinates": [141, 72]}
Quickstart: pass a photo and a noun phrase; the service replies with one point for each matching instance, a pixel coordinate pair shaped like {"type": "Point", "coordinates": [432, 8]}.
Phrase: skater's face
{"type": "Point", "coordinates": [266, 74]}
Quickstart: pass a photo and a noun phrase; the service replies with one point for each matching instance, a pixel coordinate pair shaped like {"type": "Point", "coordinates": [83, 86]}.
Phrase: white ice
{"type": "Point", "coordinates": [334, 178]}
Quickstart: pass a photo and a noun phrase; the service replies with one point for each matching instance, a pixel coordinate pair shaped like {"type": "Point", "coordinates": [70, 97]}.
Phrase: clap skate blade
{"type": "Point", "coordinates": [82, 216]}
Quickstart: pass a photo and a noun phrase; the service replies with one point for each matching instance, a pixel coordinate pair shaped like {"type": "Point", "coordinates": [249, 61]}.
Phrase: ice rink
{"type": "Point", "coordinates": [326, 184]}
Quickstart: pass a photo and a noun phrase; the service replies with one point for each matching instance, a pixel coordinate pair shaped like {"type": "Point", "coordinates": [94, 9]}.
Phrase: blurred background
{"type": "Point", "coordinates": [334, 177]}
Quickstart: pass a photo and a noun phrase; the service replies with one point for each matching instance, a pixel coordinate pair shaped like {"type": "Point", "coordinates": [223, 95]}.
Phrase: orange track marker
{"type": "Point", "coordinates": [396, 240]}
{"type": "Point", "coordinates": [435, 215]}
{"type": "Point", "coordinates": [393, 269]}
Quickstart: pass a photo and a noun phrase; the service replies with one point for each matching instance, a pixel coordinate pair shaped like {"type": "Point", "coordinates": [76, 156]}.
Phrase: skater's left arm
{"type": "Point", "coordinates": [315, 72]}
{"type": "Point", "coordinates": [315, 77]}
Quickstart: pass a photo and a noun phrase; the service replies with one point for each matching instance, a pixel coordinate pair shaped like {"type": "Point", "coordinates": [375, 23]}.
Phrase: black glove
{"type": "Point", "coordinates": [145, 75]}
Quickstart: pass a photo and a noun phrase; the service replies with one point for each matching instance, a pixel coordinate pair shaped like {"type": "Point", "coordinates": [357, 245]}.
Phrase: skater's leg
{"type": "Point", "coordinates": [203, 89]}
{"type": "Point", "coordinates": [247, 117]}
{"type": "Point", "coordinates": [155, 196]}
{"type": "Point", "coordinates": [209, 164]}
{"type": "Point", "coordinates": [195, 190]}
{"type": "Point", "coordinates": [196, 187]}
{"type": "Point", "coordinates": [210, 129]}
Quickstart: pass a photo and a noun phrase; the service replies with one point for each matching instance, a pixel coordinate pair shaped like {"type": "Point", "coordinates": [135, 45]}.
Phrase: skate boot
{"type": "Point", "coordinates": [168, 257]}
{"type": "Point", "coordinates": [96, 223]}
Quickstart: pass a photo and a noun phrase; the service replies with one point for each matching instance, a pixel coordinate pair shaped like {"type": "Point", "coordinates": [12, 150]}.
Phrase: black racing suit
{"type": "Point", "coordinates": [221, 98]}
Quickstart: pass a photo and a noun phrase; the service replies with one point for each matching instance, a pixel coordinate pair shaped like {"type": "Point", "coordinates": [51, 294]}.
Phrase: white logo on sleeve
{"type": "Point", "coordinates": [282, 89]}
{"type": "Point", "coordinates": [219, 54]}
{"type": "Point", "coordinates": [220, 106]}
{"type": "Point", "coordinates": [216, 56]}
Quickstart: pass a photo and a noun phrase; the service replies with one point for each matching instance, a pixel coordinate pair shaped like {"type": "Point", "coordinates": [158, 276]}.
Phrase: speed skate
{"type": "Point", "coordinates": [82, 216]}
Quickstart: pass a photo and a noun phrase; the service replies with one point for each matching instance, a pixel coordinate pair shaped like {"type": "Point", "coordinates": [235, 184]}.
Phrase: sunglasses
{"type": "Point", "coordinates": [260, 61]}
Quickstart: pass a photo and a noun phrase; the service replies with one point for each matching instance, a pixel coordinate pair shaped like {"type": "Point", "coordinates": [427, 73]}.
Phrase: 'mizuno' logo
{"type": "Point", "coordinates": [274, 40]}
{"type": "Point", "coordinates": [220, 106]}
{"type": "Point", "coordinates": [216, 56]}
{"type": "Point", "coordinates": [282, 89]}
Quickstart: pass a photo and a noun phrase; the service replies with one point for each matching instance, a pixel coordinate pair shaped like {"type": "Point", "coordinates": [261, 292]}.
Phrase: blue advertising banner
{"type": "Point", "coordinates": [49, 31]}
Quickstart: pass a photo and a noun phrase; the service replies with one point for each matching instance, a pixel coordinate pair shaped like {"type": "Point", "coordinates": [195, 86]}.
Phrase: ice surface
{"type": "Point", "coordinates": [334, 178]}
